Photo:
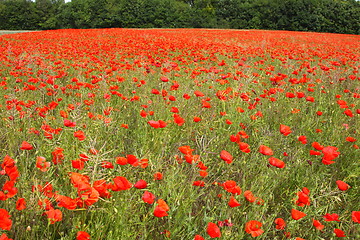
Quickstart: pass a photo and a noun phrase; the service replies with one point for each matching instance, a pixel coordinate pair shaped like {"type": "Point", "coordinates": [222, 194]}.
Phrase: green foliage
{"type": "Point", "coordinates": [337, 16]}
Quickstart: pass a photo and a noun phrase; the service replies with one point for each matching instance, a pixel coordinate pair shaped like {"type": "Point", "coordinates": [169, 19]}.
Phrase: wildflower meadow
{"type": "Point", "coordinates": [179, 134]}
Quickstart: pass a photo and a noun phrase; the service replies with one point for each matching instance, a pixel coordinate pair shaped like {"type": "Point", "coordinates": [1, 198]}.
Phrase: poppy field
{"type": "Point", "coordinates": [179, 134]}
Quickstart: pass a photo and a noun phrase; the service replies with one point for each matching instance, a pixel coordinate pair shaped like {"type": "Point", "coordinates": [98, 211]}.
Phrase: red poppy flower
{"type": "Point", "coordinates": [10, 189]}
{"type": "Point", "coordinates": [243, 134]}
{"type": "Point", "coordinates": [300, 94]}
{"type": "Point", "coordinates": [162, 124]}
{"type": "Point", "coordinates": [166, 233]}
{"type": "Point", "coordinates": [317, 146]}
{"type": "Point", "coordinates": [178, 120]}
{"type": "Point", "coordinates": [141, 184]}
{"type": "Point", "coordinates": [8, 162]}
{"type": "Point", "coordinates": [20, 204]}
{"type": "Point", "coordinates": [121, 160]}
{"type": "Point", "coordinates": [202, 166]}
{"type": "Point", "coordinates": [58, 155]}
{"type": "Point", "coordinates": [42, 164]}
{"type": "Point", "coordinates": [285, 130]}
{"type": "Point", "coordinates": [213, 230]}
{"type": "Point", "coordinates": [348, 113]}
{"type": "Point", "coordinates": [276, 162]}
{"type": "Point", "coordinates": [206, 104]}
{"type": "Point", "coordinates": [302, 139]}
{"type": "Point", "coordinates": [280, 223]}
{"type": "Point", "coordinates": [249, 196]}
{"type": "Point", "coordinates": [174, 110]}
{"type": "Point", "coordinates": [186, 150]}
{"type": "Point", "coordinates": [155, 91]}
{"type": "Point", "coordinates": [5, 221]}
{"type": "Point", "coordinates": [45, 204]}
{"type": "Point", "coordinates": [163, 204]}
{"type": "Point", "coordinates": [318, 130]}
{"type": "Point", "coordinates": [66, 202]}
{"type": "Point", "coordinates": [148, 197]}
{"type": "Point", "coordinates": [244, 147]}
{"type": "Point", "coordinates": [317, 153]}
{"type": "Point", "coordinates": [161, 209]}
{"type": "Point", "coordinates": [120, 183]}
{"type": "Point", "coordinates": [83, 157]}
{"type": "Point", "coordinates": [79, 135]}
{"type": "Point", "coordinates": [143, 163]}
{"type": "Point", "coordinates": [227, 121]}
{"type": "Point", "coordinates": [198, 93]}
{"type": "Point", "coordinates": [197, 119]}
{"type": "Point", "coordinates": [102, 187]}
{"type": "Point", "coordinates": [290, 95]}
{"type": "Point", "coordinates": [197, 237]}
{"type": "Point", "coordinates": [143, 113]}
{"type": "Point", "coordinates": [203, 173]}
{"type": "Point", "coordinates": [54, 215]}
{"type": "Point", "coordinates": [46, 190]}
{"type": "Point", "coordinates": [339, 232]}
{"type": "Point", "coordinates": [226, 156]}
{"type": "Point", "coordinates": [87, 197]}
{"type": "Point", "coordinates": [231, 187]}
{"type": "Point", "coordinates": [154, 124]}
{"type": "Point", "coordinates": [310, 99]}
{"type": "Point", "coordinates": [107, 164]}
{"type": "Point", "coordinates": [199, 183]}
{"type": "Point", "coordinates": [330, 153]}
{"type": "Point", "coordinates": [296, 214]}
{"type": "Point", "coordinates": [64, 114]}
{"type": "Point", "coordinates": [265, 150]}
{"type": "Point", "coordinates": [78, 164]}
{"type": "Point", "coordinates": [132, 160]}
{"type": "Point", "coordinates": [235, 138]}
{"type": "Point", "coordinates": [26, 146]}
{"type": "Point", "coordinates": [164, 79]}
{"type": "Point", "coordinates": [68, 123]}
{"type": "Point", "coordinates": [350, 139]}
{"type": "Point", "coordinates": [303, 198]}
{"type": "Point", "coordinates": [331, 217]}
{"type": "Point", "coordinates": [305, 190]}
{"type": "Point", "coordinates": [317, 224]}
{"type": "Point", "coordinates": [186, 96]}
{"type": "Point", "coordinates": [253, 227]}
{"type": "Point", "coordinates": [158, 176]}
{"type": "Point", "coordinates": [233, 202]}
{"type": "Point", "coordinates": [5, 237]}
{"type": "Point", "coordinates": [191, 158]}
{"type": "Point", "coordinates": [82, 236]}
{"type": "Point", "coordinates": [342, 185]}
{"type": "Point", "coordinates": [355, 216]}
{"type": "Point", "coordinates": [172, 98]}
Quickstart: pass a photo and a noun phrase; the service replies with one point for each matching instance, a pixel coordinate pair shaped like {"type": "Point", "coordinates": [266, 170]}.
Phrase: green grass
{"type": "Point", "coordinates": [2, 32]}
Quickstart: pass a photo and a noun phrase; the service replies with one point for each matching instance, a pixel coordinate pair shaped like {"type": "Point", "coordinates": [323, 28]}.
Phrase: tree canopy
{"type": "Point", "coordinates": [336, 16]}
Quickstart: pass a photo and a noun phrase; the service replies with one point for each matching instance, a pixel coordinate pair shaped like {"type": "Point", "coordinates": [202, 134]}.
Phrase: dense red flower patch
{"type": "Point", "coordinates": [226, 131]}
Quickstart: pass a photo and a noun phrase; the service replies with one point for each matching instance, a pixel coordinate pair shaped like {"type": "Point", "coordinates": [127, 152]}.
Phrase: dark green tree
{"type": "Point", "coordinates": [48, 12]}
{"type": "Point", "coordinates": [19, 14]}
{"type": "Point", "coordinates": [338, 16]}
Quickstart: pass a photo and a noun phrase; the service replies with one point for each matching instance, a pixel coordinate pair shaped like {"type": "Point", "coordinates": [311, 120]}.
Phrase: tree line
{"type": "Point", "coordinates": [336, 16]}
